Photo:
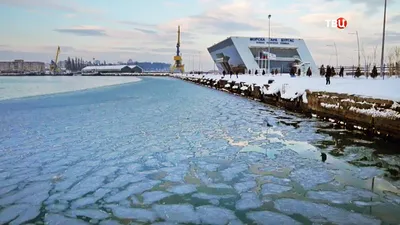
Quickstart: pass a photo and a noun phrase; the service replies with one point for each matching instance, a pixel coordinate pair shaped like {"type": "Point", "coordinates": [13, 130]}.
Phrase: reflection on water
{"type": "Point", "coordinates": [165, 150]}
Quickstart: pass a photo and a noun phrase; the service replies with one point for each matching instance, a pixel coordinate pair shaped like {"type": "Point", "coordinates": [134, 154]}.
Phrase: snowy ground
{"type": "Point", "coordinates": [18, 87]}
{"type": "Point", "coordinates": [377, 88]}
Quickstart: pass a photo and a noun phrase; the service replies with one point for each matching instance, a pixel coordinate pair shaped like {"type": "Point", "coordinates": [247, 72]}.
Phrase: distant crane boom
{"type": "Point", "coordinates": [178, 58]}
{"type": "Point", "coordinates": [53, 66]}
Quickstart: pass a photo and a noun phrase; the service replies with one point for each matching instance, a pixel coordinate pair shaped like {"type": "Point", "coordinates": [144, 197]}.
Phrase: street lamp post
{"type": "Point", "coordinates": [383, 41]}
{"type": "Point", "coordinates": [269, 43]}
{"type": "Point", "coordinates": [358, 47]}
{"type": "Point", "coordinates": [199, 61]}
{"type": "Point", "coordinates": [337, 61]}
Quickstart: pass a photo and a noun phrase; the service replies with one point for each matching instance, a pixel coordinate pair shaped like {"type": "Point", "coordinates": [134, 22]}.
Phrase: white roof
{"type": "Point", "coordinates": [112, 67]}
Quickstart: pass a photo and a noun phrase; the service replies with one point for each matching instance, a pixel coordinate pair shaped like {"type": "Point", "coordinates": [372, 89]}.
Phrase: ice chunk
{"type": "Point", "coordinates": [368, 172]}
{"type": "Point", "coordinates": [177, 213]}
{"type": "Point", "coordinates": [360, 203]}
{"type": "Point", "coordinates": [19, 213]}
{"type": "Point", "coordinates": [175, 174]}
{"type": "Point", "coordinates": [219, 186]}
{"type": "Point", "coordinates": [340, 197]}
{"type": "Point", "coordinates": [35, 198]}
{"type": "Point", "coordinates": [7, 189]}
{"type": "Point", "coordinates": [214, 215]}
{"type": "Point", "coordinates": [271, 189]}
{"type": "Point", "coordinates": [321, 213]}
{"type": "Point", "coordinates": [124, 180]}
{"type": "Point", "coordinates": [133, 168]}
{"type": "Point", "coordinates": [27, 191]}
{"type": "Point", "coordinates": [109, 222]}
{"type": "Point", "coordinates": [392, 197]}
{"type": "Point", "coordinates": [208, 166]}
{"type": "Point", "coordinates": [275, 180]}
{"type": "Point", "coordinates": [232, 172]}
{"type": "Point", "coordinates": [90, 213]}
{"type": "Point", "coordinates": [136, 188]}
{"type": "Point", "coordinates": [311, 177]}
{"type": "Point", "coordinates": [106, 171]}
{"type": "Point", "coordinates": [245, 186]}
{"type": "Point", "coordinates": [209, 196]}
{"type": "Point", "coordinates": [85, 186]}
{"type": "Point", "coordinates": [56, 208]}
{"type": "Point", "coordinates": [61, 220]}
{"type": "Point", "coordinates": [154, 196]}
{"type": "Point", "coordinates": [183, 189]}
{"type": "Point", "coordinates": [164, 223]}
{"type": "Point", "coordinates": [132, 213]}
{"type": "Point", "coordinates": [235, 222]}
{"type": "Point", "coordinates": [248, 201]}
{"type": "Point", "coordinates": [266, 217]}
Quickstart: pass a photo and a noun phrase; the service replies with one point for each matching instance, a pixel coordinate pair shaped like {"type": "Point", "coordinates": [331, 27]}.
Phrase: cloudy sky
{"type": "Point", "coordinates": [142, 30]}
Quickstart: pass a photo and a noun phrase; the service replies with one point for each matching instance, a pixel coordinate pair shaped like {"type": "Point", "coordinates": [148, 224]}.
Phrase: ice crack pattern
{"type": "Point", "coordinates": [162, 151]}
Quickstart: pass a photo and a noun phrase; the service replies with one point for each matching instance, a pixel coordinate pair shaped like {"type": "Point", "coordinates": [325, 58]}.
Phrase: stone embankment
{"type": "Point", "coordinates": [374, 116]}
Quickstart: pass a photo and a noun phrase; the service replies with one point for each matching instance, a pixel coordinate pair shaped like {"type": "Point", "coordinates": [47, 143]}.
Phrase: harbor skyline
{"type": "Point", "coordinates": [98, 29]}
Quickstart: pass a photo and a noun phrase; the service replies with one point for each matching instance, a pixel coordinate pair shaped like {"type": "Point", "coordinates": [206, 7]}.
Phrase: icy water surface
{"type": "Point", "coordinates": [162, 151]}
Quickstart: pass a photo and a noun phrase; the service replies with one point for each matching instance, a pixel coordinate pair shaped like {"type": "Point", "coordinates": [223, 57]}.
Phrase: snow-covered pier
{"type": "Point", "coordinates": [372, 105]}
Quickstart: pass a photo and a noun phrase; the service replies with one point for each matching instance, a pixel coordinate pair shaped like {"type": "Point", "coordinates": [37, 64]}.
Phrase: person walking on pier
{"type": "Point", "coordinates": [237, 74]}
{"type": "Point", "coordinates": [309, 72]}
{"type": "Point", "coordinates": [230, 73]}
{"type": "Point", "coordinates": [341, 72]}
{"type": "Point", "coordinates": [328, 75]}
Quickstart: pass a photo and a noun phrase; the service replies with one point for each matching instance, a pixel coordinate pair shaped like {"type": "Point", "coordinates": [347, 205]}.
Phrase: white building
{"type": "Point", "coordinates": [113, 69]}
{"type": "Point", "coordinates": [241, 54]}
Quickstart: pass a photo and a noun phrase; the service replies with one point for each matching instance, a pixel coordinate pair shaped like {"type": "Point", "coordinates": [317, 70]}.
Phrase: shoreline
{"type": "Point", "coordinates": [374, 116]}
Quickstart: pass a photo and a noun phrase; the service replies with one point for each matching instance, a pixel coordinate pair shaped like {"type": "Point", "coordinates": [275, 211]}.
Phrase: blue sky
{"type": "Point", "coordinates": [119, 30]}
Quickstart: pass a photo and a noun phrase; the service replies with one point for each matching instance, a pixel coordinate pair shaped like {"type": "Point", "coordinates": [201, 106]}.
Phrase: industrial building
{"type": "Point", "coordinates": [113, 69]}
{"type": "Point", "coordinates": [241, 54]}
{"type": "Point", "coordinates": [21, 66]}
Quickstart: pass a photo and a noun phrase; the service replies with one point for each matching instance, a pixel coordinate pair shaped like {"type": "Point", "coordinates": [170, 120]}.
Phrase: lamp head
{"type": "Point", "coordinates": [269, 16]}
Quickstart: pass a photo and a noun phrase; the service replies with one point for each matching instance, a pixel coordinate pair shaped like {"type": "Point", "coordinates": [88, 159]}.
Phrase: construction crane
{"type": "Point", "coordinates": [53, 65]}
{"type": "Point", "coordinates": [178, 58]}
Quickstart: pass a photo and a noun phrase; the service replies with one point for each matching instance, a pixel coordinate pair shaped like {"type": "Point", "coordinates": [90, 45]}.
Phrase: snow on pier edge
{"type": "Point", "coordinates": [294, 87]}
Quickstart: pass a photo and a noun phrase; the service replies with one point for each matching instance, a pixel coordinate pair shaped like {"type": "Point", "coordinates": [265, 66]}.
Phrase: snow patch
{"type": "Point", "coordinates": [384, 113]}
{"type": "Point", "coordinates": [330, 106]}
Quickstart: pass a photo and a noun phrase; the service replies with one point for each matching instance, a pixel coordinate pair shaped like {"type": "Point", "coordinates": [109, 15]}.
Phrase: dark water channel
{"type": "Point", "coordinates": [163, 151]}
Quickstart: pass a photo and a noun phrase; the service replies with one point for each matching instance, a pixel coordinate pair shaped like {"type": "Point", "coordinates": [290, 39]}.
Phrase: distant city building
{"type": "Point", "coordinates": [113, 69]}
{"type": "Point", "coordinates": [241, 54]}
{"type": "Point", "coordinates": [21, 66]}
{"type": "Point", "coordinates": [97, 62]}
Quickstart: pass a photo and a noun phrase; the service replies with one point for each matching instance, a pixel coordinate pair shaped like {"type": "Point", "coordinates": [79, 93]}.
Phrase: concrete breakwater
{"type": "Point", "coordinates": [376, 117]}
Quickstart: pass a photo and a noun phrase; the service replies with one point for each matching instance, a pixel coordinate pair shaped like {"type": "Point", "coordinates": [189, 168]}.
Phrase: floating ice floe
{"type": "Point", "coordinates": [245, 186]}
{"type": "Point", "coordinates": [177, 213]}
{"type": "Point", "coordinates": [311, 177]}
{"type": "Point", "coordinates": [321, 213]}
{"type": "Point", "coordinates": [154, 196]}
{"type": "Point", "coordinates": [214, 215]}
{"type": "Point", "coordinates": [90, 213]}
{"type": "Point", "coordinates": [142, 215]}
{"type": "Point", "coordinates": [183, 189]}
{"type": "Point", "coordinates": [19, 214]}
{"type": "Point", "coordinates": [248, 201]}
{"type": "Point", "coordinates": [272, 189]}
{"type": "Point", "coordinates": [341, 197]}
{"type": "Point", "coordinates": [59, 219]}
{"type": "Point", "coordinates": [267, 217]}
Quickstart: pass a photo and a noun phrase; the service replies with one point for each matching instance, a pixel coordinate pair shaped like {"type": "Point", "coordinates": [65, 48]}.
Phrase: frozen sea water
{"type": "Point", "coordinates": [163, 151]}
